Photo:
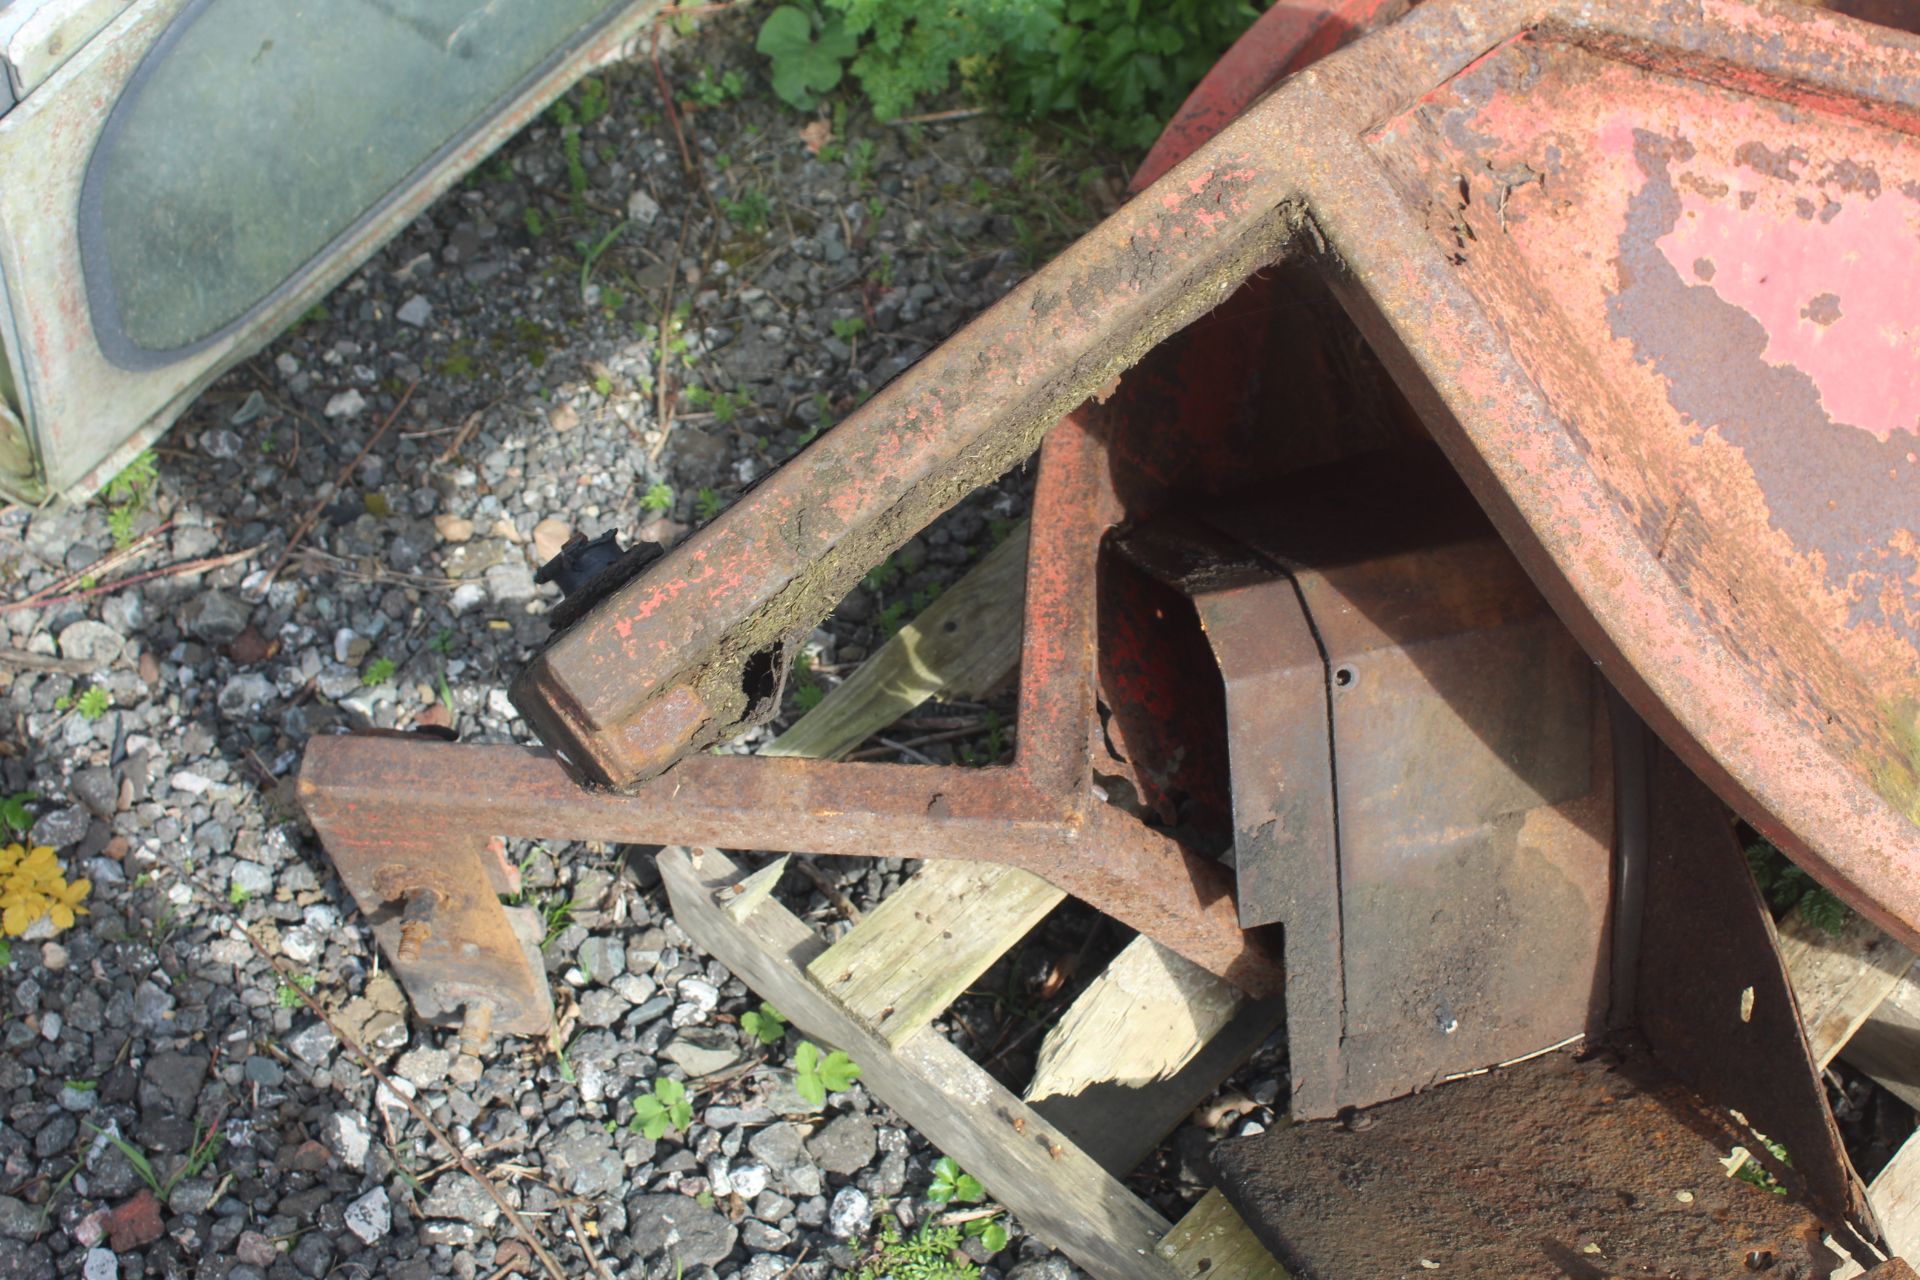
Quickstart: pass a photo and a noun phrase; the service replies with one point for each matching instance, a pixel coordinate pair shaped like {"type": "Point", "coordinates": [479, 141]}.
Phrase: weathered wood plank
{"type": "Point", "coordinates": [1141, 1020]}
{"type": "Point", "coordinates": [1056, 1190]}
{"type": "Point", "coordinates": [1212, 1243]}
{"type": "Point", "coordinates": [741, 898]}
{"type": "Point", "coordinates": [1147, 1041]}
{"type": "Point", "coordinates": [1887, 1045]}
{"type": "Point", "coordinates": [902, 965]}
{"type": "Point", "coordinates": [1839, 980]}
{"type": "Point", "coordinates": [1894, 1194]}
{"type": "Point", "coordinates": [964, 644]}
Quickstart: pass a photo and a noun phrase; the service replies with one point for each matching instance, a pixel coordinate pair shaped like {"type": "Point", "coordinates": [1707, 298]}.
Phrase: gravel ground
{"type": "Point", "coordinates": [519, 327]}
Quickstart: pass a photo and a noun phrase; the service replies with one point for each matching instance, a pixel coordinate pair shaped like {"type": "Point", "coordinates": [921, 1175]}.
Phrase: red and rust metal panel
{"type": "Point", "coordinates": [1646, 272]}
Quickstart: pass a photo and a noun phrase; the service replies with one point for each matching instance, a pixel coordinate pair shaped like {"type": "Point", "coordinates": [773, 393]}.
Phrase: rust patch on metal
{"type": "Point", "coordinates": [1560, 1166]}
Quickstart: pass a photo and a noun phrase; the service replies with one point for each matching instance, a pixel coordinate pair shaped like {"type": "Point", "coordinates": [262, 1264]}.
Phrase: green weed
{"type": "Point", "coordinates": [815, 1075]}
{"type": "Point", "coordinates": [932, 1253]}
{"type": "Point", "coordinates": [662, 1110]}
{"type": "Point", "coordinates": [748, 211]}
{"type": "Point", "coordinates": [709, 90]}
{"type": "Point", "coordinates": [765, 1024]}
{"type": "Point", "coordinates": [378, 672]}
{"type": "Point", "coordinates": [707, 505]}
{"type": "Point", "coordinates": [951, 1183]}
{"type": "Point", "coordinates": [658, 498]}
{"type": "Point", "coordinates": [1785, 886]}
{"type": "Point", "coordinates": [14, 814]}
{"type": "Point", "coordinates": [199, 1156]}
{"type": "Point", "coordinates": [287, 994]}
{"type": "Point", "coordinates": [806, 58]}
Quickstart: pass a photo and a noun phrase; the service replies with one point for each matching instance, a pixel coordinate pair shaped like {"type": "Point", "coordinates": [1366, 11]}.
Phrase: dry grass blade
{"type": "Point", "coordinates": [372, 1068]}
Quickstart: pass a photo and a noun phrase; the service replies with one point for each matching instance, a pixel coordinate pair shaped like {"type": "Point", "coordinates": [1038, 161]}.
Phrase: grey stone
{"type": "Point", "coordinates": [313, 1044]}
{"type": "Point", "coordinates": [459, 1197]}
{"type": "Point", "coordinates": [92, 642]}
{"type": "Point", "coordinates": [313, 1255]}
{"type": "Point", "coordinates": [424, 1067]}
{"type": "Point", "coordinates": [220, 444]}
{"type": "Point", "coordinates": [370, 1217]}
{"type": "Point", "coordinates": [62, 828]}
{"type": "Point", "coordinates": [583, 1153]}
{"type": "Point", "coordinates": [602, 1008]}
{"type": "Point", "coordinates": [100, 1264]}
{"type": "Point", "coordinates": [251, 879]}
{"type": "Point", "coordinates": [347, 1137]}
{"type": "Point", "coordinates": [845, 1145]}
{"type": "Point", "coordinates": [346, 404]}
{"type": "Point", "coordinates": [264, 1071]}
{"type": "Point", "coordinates": [677, 1225]}
{"type": "Point", "coordinates": [702, 1051]}
{"type": "Point", "coordinates": [216, 617]}
{"type": "Point", "coordinates": [511, 584]}
{"type": "Point", "coordinates": [1051, 1267]}
{"type": "Point", "coordinates": [152, 1005]}
{"type": "Point", "coordinates": [415, 311]}
{"type": "Point", "coordinates": [642, 209]}
{"type": "Point", "coordinates": [602, 958]}
{"type": "Point", "coordinates": [242, 696]}
{"type": "Point", "coordinates": [850, 1214]}
{"type": "Point", "coordinates": [191, 1195]}
{"type": "Point", "coordinates": [170, 1082]}
{"type": "Point", "coordinates": [96, 789]}
{"type": "Point", "coordinates": [18, 1220]}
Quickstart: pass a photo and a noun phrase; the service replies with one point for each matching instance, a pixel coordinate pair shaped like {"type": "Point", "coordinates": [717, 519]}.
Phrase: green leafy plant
{"type": "Point", "coordinates": [764, 1024]}
{"type": "Point", "coordinates": [847, 328]}
{"type": "Point", "coordinates": [806, 59]}
{"type": "Point", "coordinates": [128, 494]}
{"type": "Point", "coordinates": [6, 953]}
{"type": "Point", "coordinates": [749, 210]}
{"type": "Point", "coordinates": [709, 90]}
{"type": "Point", "coordinates": [707, 504]}
{"type": "Point", "coordinates": [378, 672]}
{"type": "Point", "coordinates": [815, 1075]}
{"type": "Point", "coordinates": [932, 1253]}
{"type": "Point", "coordinates": [14, 814]}
{"type": "Point", "coordinates": [237, 894]}
{"type": "Point", "coordinates": [287, 994]}
{"type": "Point", "coordinates": [94, 703]}
{"type": "Point", "coordinates": [1785, 886]}
{"type": "Point", "coordinates": [658, 498]}
{"type": "Point", "coordinates": [1120, 67]}
{"type": "Point", "coordinates": [951, 1183]}
{"type": "Point", "coordinates": [535, 224]}
{"type": "Point", "coordinates": [807, 690]}
{"type": "Point", "coordinates": [991, 1232]}
{"type": "Point", "coordinates": [665, 1108]}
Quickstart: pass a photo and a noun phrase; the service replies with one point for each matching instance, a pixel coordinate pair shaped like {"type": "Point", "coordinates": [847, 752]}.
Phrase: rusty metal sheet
{"type": "Point", "coordinates": [1560, 1166]}
{"type": "Point", "coordinates": [1714, 1003]}
{"type": "Point", "coordinates": [1647, 273]}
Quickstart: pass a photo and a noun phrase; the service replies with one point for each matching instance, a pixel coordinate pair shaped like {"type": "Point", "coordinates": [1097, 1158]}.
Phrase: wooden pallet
{"type": "Point", "coordinates": [1144, 1044]}
{"type": "Point", "coordinates": [1859, 997]}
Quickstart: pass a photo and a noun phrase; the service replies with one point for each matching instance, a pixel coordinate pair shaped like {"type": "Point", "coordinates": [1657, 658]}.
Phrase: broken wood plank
{"type": "Point", "coordinates": [964, 644]}
{"type": "Point", "coordinates": [1887, 1045]}
{"type": "Point", "coordinates": [1212, 1243]}
{"type": "Point", "coordinates": [741, 897]}
{"type": "Point", "coordinates": [1147, 1042]}
{"type": "Point", "coordinates": [1839, 980]}
{"type": "Point", "coordinates": [1056, 1190]}
{"type": "Point", "coordinates": [902, 965]}
{"type": "Point", "coordinates": [1141, 1020]}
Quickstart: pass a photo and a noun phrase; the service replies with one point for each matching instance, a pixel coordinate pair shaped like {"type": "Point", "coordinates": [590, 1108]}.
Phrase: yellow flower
{"type": "Point", "coordinates": [65, 904]}
{"type": "Point", "coordinates": [33, 888]}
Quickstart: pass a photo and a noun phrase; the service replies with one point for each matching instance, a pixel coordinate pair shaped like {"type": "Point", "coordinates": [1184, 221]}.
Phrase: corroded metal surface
{"type": "Point", "coordinates": [1556, 1167]}
{"type": "Point", "coordinates": [1715, 1006]}
{"type": "Point", "coordinates": [1420, 783]}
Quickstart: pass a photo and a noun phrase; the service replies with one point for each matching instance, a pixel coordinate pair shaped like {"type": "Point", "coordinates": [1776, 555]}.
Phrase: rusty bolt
{"type": "Point", "coordinates": [476, 1026]}
{"type": "Point", "coordinates": [416, 922]}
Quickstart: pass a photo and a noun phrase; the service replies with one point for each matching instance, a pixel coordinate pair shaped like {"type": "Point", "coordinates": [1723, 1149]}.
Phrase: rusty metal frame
{"type": "Point", "coordinates": [402, 815]}
{"type": "Point", "coordinates": [666, 666]}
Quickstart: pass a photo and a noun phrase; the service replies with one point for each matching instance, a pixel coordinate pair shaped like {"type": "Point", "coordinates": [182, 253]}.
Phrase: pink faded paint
{"type": "Point", "coordinates": [1835, 294]}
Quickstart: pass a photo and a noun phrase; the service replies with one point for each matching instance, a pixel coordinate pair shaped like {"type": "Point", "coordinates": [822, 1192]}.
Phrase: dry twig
{"type": "Point", "coordinates": [184, 568]}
